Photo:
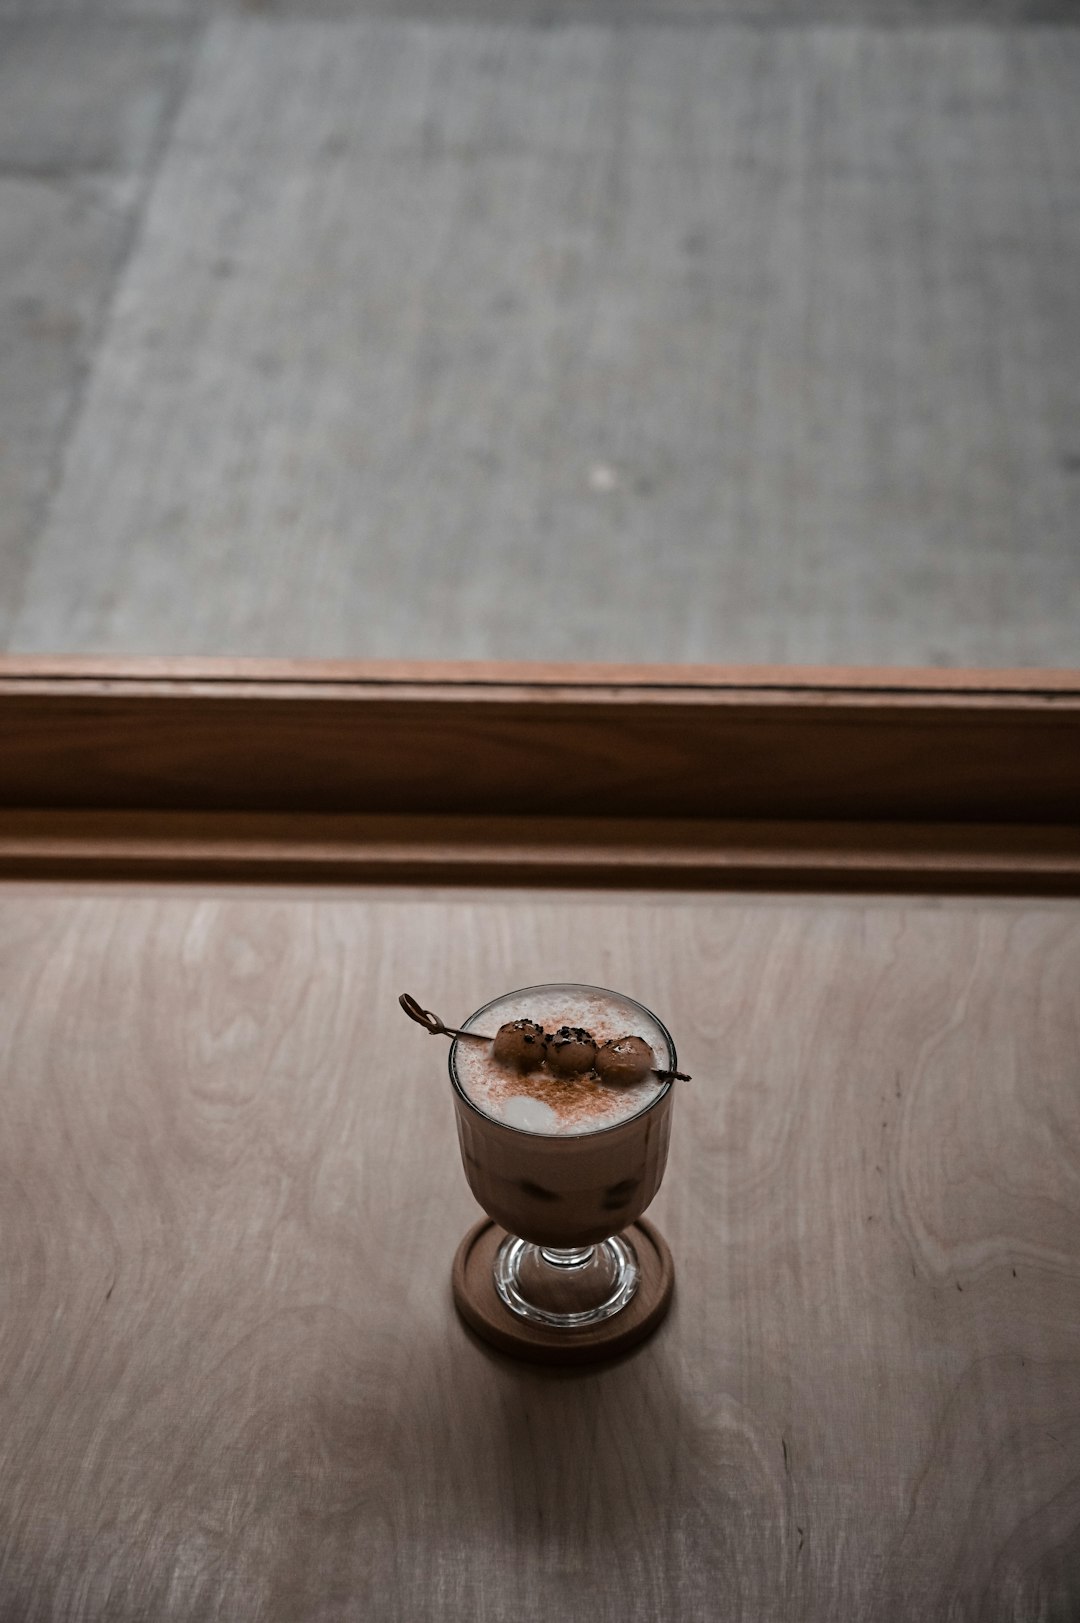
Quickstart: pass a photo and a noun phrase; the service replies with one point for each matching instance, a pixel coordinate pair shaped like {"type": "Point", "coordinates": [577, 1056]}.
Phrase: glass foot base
{"type": "Point", "coordinates": [566, 1288]}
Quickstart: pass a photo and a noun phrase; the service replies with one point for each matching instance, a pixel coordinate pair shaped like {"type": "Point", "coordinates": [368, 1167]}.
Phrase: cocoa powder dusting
{"type": "Point", "coordinates": [573, 1099]}
{"type": "Point", "coordinates": [580, 1102]}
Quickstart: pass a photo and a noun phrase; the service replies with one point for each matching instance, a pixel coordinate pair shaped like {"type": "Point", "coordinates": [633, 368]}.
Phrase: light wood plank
{"type": "Point", "coordinates": [233, 1384]}
{"type": "Point", "coordinates": [45, 672]}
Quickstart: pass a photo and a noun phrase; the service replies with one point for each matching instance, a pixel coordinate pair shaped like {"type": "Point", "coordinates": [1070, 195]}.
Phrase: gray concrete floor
{"type": "Point", "coordinates": [663, 330]}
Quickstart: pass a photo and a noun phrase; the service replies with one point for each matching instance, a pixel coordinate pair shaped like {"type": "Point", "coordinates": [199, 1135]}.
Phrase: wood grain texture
{"type": "Point", "coordinates": [675, 853]}
{"type": "Point", "coordinates": [646, 342]}
{"type": "Point", "coordinates": [783, 746]}
{"type": "Point", "coordinates": [20, 672]}
{"type": "Point", "coordinates": [233, 1384]}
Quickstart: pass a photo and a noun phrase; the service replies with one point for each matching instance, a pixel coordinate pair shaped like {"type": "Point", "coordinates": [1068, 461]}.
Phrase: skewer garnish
{"type": "Point", "coordinates": [521, 1044]}
{"type": "Point", "coordinates": [624, 1060]}
{"type": "Point", "coordinates": [570, 1051]}
{"type": "Point", "coordinates": [432, 1024]}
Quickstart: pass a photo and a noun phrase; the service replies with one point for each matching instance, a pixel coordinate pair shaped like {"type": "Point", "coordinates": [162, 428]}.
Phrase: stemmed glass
{"type": "Point", "coordinates": [565, 1200]}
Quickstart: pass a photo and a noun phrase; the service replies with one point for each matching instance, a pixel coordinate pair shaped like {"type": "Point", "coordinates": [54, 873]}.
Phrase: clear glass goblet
{"type": "Point", "coordinates": [566, 1198]}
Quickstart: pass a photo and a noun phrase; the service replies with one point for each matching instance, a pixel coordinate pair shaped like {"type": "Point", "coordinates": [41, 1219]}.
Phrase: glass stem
{"type": "Point", "coordinates": [572, 1257]}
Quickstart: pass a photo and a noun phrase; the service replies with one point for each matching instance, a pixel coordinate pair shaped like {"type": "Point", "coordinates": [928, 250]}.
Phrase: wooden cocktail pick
{"type": "Point", "coordinates": [438, 1028]}
{"type": "Point", "coordinates": [432, 1024]}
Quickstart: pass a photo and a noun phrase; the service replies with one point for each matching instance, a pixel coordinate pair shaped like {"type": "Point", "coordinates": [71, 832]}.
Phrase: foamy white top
{"type": "Point", "coordinates": [539, 1102]}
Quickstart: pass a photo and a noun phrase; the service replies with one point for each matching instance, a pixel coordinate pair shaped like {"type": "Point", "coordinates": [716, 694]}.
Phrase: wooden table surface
{"type": "Point", "coordinates": [233, 1386]}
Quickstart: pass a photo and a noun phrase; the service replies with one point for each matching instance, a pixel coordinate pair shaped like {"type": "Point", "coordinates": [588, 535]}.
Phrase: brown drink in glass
{"type": "Point", "coordinates": [563, 1165]}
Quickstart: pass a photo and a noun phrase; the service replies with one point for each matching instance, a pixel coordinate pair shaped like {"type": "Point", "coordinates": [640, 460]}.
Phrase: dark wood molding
{"type": "Point", "coordinates": [608, 852]}
{"type": "Point", "coordinates": [576, 774]}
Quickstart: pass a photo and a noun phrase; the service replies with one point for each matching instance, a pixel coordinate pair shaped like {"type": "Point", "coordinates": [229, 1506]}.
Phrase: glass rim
{"type": "Point", "coordinates": [550, 986]}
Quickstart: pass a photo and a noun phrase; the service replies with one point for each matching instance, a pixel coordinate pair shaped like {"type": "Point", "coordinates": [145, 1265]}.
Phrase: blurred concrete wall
{"type": "Point", "coordinates": [664, 330]}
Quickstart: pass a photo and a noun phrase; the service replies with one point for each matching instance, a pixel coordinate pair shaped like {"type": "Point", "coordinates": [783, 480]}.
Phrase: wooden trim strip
{"type": "Point", "coordinates": [973, 755]}
{"type": "Point", "coordinates": [552, 774]}
{"type": "Point", "coordinates": [108, 673]}
{"type": "Point", "coordinates": [521, 851]}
